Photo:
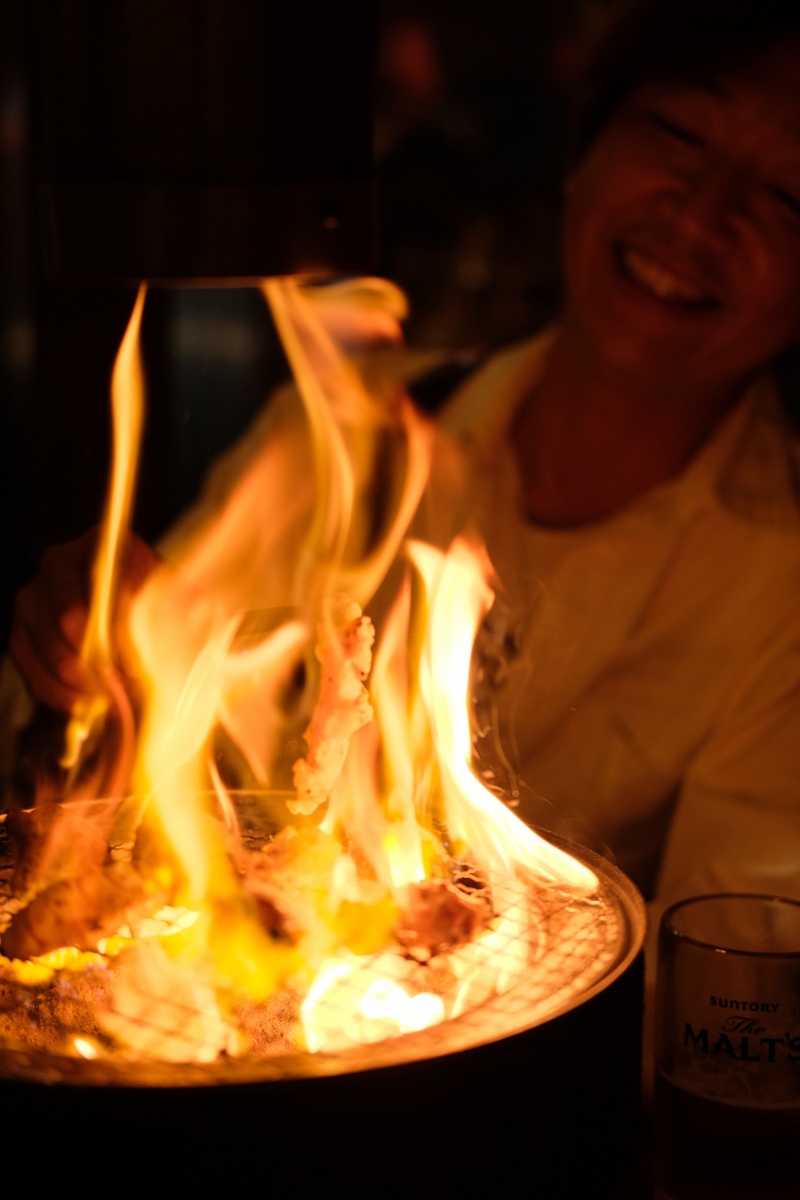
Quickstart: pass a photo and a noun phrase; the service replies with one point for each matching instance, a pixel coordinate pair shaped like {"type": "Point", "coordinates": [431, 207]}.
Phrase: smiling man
{"type": "Point", "coordinates": [635, 476]}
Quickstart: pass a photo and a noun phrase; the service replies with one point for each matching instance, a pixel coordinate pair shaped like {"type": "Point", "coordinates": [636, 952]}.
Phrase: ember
{"type": "Point", "coordinates": [158, 913]}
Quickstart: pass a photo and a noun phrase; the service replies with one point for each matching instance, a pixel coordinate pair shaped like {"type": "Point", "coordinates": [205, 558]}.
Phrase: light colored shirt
{"type": "Point", "coordinates": [638, 680]}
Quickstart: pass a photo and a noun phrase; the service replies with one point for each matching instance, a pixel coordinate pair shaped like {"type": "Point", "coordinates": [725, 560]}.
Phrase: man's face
{"type": "Point", "coordinates": [682, 226]}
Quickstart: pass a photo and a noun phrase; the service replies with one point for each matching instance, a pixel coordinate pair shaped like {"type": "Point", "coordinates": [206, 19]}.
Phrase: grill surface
{"type": "Point", "coordinates": [549, 951]}
{"type": "Point", "coordinates": [535, 1091]}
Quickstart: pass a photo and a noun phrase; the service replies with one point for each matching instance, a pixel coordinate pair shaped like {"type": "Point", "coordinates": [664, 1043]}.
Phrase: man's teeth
{"type": "Point", "coordinates": [660, 281]}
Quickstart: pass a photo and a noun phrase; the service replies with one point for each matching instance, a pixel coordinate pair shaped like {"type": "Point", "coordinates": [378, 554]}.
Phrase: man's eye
{"type": "Point", "coordinates": [680, 132]}
{"type": "Point", "coordinates": [789, 200]}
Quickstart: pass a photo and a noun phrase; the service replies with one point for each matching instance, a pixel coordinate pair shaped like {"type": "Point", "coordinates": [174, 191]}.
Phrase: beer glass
{"type": "Point", "coordinates": [728, 1050]}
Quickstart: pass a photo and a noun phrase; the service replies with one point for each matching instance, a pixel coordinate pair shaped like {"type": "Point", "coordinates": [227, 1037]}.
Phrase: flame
{"type": "Point", "coordinates": [338, 1014]}
{"type": "Point", "coordinates": [427, 746]}
{"type": "Point", "coordinates": [127, 403]}
{"type": "Point", "coordinates": [85, 1047]}
{"type": "Point", "coordinates": [459, 596]}
{"type": "Point", "coordinates": [184, 625]}
{"type": "Point", "coordinates": [222, 633]}
{"type": "Point", "coordinates": [345, 421]}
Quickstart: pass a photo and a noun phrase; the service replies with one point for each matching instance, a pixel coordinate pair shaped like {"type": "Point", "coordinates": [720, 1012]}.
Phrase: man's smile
{"type": "Point", "coordinates": [664, 282]}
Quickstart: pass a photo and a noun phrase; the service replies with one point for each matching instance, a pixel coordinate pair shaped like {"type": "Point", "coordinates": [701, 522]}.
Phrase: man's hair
{"type": "Point", "coordinates": [676, 39]}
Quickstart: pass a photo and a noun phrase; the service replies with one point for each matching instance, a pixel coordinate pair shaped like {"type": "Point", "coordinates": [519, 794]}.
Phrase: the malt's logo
{"type": "Point", "coordinates": [743, 1039]}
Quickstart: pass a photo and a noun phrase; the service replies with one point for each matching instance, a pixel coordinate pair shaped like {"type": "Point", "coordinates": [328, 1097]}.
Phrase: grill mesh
{"type": "Point", "coordinates": [547, 949]}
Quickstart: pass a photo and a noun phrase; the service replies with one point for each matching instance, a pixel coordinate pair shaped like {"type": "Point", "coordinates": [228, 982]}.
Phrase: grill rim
{"type": "Point", "coordinates": [43, 1067]}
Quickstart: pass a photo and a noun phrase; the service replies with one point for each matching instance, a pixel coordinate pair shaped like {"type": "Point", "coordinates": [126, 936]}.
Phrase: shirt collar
{"type": "Point", "coordinates": [758, 479]}
{"type": "Point", "coordinates": [749, 466]}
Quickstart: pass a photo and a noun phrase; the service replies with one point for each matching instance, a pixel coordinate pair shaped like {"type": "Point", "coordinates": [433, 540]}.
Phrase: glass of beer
{"type": "Point", "coordinates": [728, 1050]}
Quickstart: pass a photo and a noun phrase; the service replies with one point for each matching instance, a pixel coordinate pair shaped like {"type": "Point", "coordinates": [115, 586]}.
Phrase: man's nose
{"type": "Point", "coordinates": [710, 203]}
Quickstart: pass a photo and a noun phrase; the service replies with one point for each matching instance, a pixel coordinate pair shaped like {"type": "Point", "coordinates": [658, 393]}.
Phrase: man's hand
{"type": "Point", "coordinates": [50, 616]}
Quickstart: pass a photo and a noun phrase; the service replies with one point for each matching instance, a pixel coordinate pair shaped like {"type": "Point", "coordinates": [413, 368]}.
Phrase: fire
{"type": "Point", "coordinates": [127, 403]}
{"type": "Point", "coordinates": [377, 898]}
{"type": "Point", "coordinates": [381, 1007]}
{"type": "Point", "coordinates": [459, 596]}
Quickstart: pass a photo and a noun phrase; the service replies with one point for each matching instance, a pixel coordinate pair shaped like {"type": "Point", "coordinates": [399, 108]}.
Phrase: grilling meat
{"type": "Point", "coordinates": [440, 915]}
{"type": "Point", "coordinates": [52, 842]}
{"type": "Point", "coordinates": [344, 649]}
{"type": "Point", "coordinates": [79, 911]}
{"type": "Point", "coordinates": [289, 880]}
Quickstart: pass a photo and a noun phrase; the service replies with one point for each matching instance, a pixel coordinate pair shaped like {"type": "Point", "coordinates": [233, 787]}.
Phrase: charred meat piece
{"type": "Point", "coordinates": [79, 911]}
{"type": "Point", "coordinates": [344, 649]}
{"type": "Point", "coordinates": [440, 915]}
{"type": "Point", "coordinates": [289, 880]}
{"type": "Point", "coordinates": [52, 842]}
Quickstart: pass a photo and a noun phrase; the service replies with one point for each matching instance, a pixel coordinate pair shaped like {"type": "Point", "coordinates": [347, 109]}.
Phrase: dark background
{"type": "Point", "coordinates": [470, 134]}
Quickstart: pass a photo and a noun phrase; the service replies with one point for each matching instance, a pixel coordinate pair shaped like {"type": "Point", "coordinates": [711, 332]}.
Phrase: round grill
{"type": "Point", "coordinates": [535, 1086]}
{"type": "Point", "coordinates": [548, 951]}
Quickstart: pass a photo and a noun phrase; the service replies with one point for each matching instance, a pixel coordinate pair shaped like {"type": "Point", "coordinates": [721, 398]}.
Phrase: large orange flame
{"type": "Point", "coordinates": [127, 403]}
{"type": "Point", "coordinates": [459, 597]}
{"type": "Point", "coordinates": [223, 632]}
